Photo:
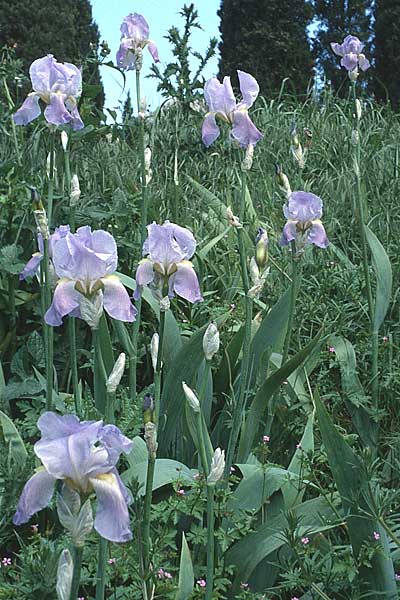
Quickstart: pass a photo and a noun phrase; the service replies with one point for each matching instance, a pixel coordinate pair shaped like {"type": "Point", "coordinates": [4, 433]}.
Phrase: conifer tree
{"type": "Point", "coordinates": [64, 28]}
{"type": "Point", "coordinates": [267, 38]}
{"type": "Point", "coordinates": [336, 19]}
{"type": "Point", "coordinates": [387, 53]}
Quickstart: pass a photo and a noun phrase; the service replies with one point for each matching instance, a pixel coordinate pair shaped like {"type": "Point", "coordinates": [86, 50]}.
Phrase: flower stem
{"type": "Point", "coordinates": [48, 330]}
{"type": "Point", "coordinates": [76, 577]}
{"type": "Point", "coordinates": [240, 402]}
{"type": "Point", "coordinates": [210, 542]}
{"type": "Point", "coordinates": [101, 569]}
{"type": "Point", "coordinates": [294, 291]}
{"type": "Point", "coordinates": [143, 223]}
{"type": "Point", "coordinates": [71, 320]}
{"type": "Point", "coordinates": [14, 129]}
{"type": "Point", "coordinates": [152, 460]}
{"type": "Point", "coordinates": [365, 262]}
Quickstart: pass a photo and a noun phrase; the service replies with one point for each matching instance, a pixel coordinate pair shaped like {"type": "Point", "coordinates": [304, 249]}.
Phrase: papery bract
{"type": "Point", "coordinates": [85, 262]}
{"type": "Point", "coordinates": [59, 85]}
{"type": "Point", "coordinates": [167, 268]}
{"type": "Point", "coordinates": [134, 37]}
{"type": "Point", "coordinates": [303, 211]}
{"type": "Point", "coordinates": [84, 455]}
{"type": "Point", "coordinates": [351, 53]}
{"type": "Point", "coordinates": [222, 103]}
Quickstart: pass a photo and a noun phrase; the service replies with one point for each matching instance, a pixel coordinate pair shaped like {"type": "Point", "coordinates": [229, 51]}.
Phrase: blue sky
{"type": "Point", "coordinates": [160, 15]}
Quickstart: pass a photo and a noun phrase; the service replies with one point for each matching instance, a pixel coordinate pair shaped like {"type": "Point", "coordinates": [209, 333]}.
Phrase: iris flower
{"type": "Point", "coordinates": [135, 35]}
{"type": "Point", "coordinates": [167, 268]}
{"type": "Point", "coordinates": [84, 456]}
{"type": "Point", "coordinates": [222, 103]}
{"type": "Point", "coordinates": [59, 86]}
{"type": "Point", "coordinates": [303, 211]}
{"type": "Point", "coordinates": [351, 53]}
{"type": "Point", "coordinates": [32, 266]}
{"type": "Point", "coordinates": [85, 262]}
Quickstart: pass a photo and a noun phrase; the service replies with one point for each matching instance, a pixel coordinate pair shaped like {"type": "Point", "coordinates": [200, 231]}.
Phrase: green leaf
{"type": "Point", "coordinates": [293, 490]}
{"type": "Point", "coordinates": [383, 274]}
{"type": "Point", "coordinates": [354, 488]}
{"type": "Point", "coordinates": [210, 199]}
{"type": "Point", "coordinates": [355, 397]}
{"type": "Point", "coordinates": [265, 394]}
{"type": "Point", "coordinates": [103, 353]}
{"type": "Point", "coordinates": [186, 574]}
{"type": "Point", "coordinates": [314, 516]}
{"type": "Point", "coordinates": [202, 253]}
{"type": "Point", "coordinates": [138, 453]}
{"type": "Point", "coordinates": [166, 471]}
{"type": "Point", "coordinates": [17, 450]}
{"type": "Point", "coordinates": [257, 485]}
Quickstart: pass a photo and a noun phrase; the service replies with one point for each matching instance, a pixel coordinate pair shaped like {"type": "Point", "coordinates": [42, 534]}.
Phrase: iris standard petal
{"type": "Point", "coordinates": [32, 266]}
{"type": "Point", "coordinates": [349, 61]}
{"type": "Point", "coordinates": [56, 112]}
{"type": "Point", "coordinates": [184, 237]}
{"type": "Point", "coordinates": [29, 110]}
{"type": "Point", "coordinates": [115, 442]}
{"type": "Point", "coordinates": [249, 88]}
{"type": "Point", "coordinates": [73, 79]}
{"type": "Point", "coordinates": [337, 48]}
{"type": "Point", "coordinates": [304, 206]}
{"type": "Point", "coordinates": [244, 130]}
{"type": "Point", "coordinates": [116, 300]}
{"type": "Point", "coordinates": [135, 26]}
{"type": "Point", "coordinates": [351, 44]}
{"type": "Point", "coordinates": [36, 495]}
{"type": "Point", "coordinates": [289, 233]}
{"type": "Point", "coordinates": [39, 72]}
{"type": "Point", "coordinates": [75, 456]}
{"type": "Point", "coordinates": [112, 515]}
{"type": "Point", "coordinates": [153, 51]}
{"type": "Point", "coordinates": [219, 96]}
{"type": "Point", "coordinates": [65, 300]}
{"type": "Point", "coordinates": [185, 283]}
{"type": "Point", "coordinates": [317, 235]}
{"type": "Point", "coordinates": [53, 426]}
{"type": "Point", "coordinates": [162, 247]}
{"type": "Point", "coordinates": [209, 130]}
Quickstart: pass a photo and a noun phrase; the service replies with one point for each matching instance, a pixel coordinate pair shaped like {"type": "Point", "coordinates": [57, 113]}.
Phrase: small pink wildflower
{"type": "Point", "coordinates": [385, 338]}
{"type": "Point", "coordinates": [244, 586]}
{"type": "Point", "coordinates": [377, 536]}
{"type": "Point", "coordinates": [181, 492]}
{"type": "Point", "coordinates": [6, 561]}
{"type": "Point", "coordinates": [285, 382]}
{"type": "Point", "coordinates": [35, 528]}
{"type": "Point", "coordinates": [112, 561]}
{"type": "Point", "coordinates": [298, 446]}
{"type": "Point", "coordinates": [196, 476]}
{"type": "Point", "coordinates": [201, 582]}
{"type": "Point", "coordinates": [232, 469]}
{"type": "Point", "coordinates": [266, 439]}
{"type": "Point", "coordinates": [295, 598]}
{"type": "Point", "coordinates": [332, 349]}
{"type": "Point", "coordinates": [161, 574]}
{"type": "Point", "coordinates": [305, 540]}
{"type": "Point", "coordinates": [397, 576]}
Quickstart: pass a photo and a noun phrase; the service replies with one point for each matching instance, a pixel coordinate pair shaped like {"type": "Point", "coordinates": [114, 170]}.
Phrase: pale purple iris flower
{"type": "Point", "coordinates": [84, 455]}
{"type": "Point", "coordinates": [167, 269]}
{"type": "Point", "coordinates": [32, 266]}
{"type": "Point", "coordinates": [85, 262]}
{"type": "Point", "coordinates": [135, 35]}
{"type": "Point", "coordinates": [303, 212]}
{"type": "Point", "coordinates": [222, 103]}
{"type": "Point", "coordinates": [351, 53]}
{"type": "Point", "coordinates": [59, 85]}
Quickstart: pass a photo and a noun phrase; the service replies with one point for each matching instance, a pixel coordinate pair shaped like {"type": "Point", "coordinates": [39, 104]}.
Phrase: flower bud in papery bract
{"type": "Point", "coordinates": [59, 86]}
{"type": "Point", "coordinates": [222, 104]}
{"type": "Point", "coordinates": [166, 268]}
